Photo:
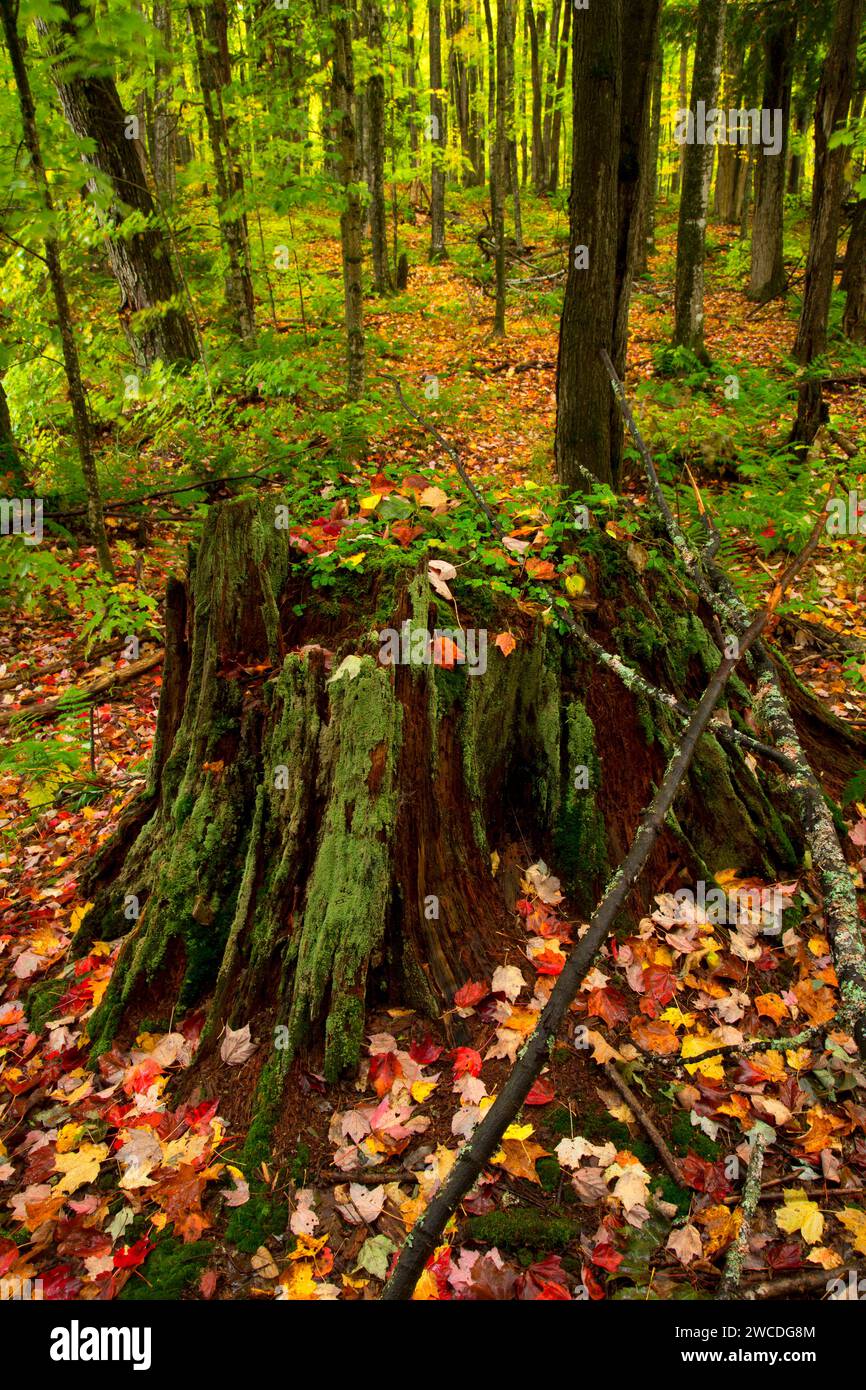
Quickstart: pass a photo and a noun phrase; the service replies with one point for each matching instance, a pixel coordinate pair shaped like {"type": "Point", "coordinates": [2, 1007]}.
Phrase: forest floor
{"type": "Point", "coordinates": [150, 1199]}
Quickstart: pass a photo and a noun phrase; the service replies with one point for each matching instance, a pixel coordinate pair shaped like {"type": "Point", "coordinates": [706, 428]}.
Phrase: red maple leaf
{"type": "Point", "coordinates": [467, 1062]}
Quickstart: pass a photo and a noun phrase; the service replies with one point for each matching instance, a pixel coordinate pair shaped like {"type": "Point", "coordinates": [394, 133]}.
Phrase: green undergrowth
{"type": "Point", "coordinates": [170, 1270]}
{"type": "Point", "coordinates": [522, 1228]}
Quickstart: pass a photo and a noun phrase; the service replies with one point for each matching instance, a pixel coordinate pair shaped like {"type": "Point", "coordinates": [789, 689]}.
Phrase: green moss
{"type": "Point", "coordinates": [580, 840]}
{"type": "Point", "coordinates": [41, 1001]}
{"type": "Point", "coordinates": [686, 1136]}
{"type": "Point", "coordinates": [549, 1173]}
{"type": "Point", "coordinates": [349, 889]}
{"type": "Point", "coordinates": [169, 1270]}
{"type": "Point", "coordinates": [299, 1164]}
{"type": "Point", "coordinates": [671, 1191]}
{"type": "Point", "coordinates": [263, 1215]}
{"type": "Point", "coordinates": [522, 1228]}
{"type": "Point", "coordinates": [253, 1224]}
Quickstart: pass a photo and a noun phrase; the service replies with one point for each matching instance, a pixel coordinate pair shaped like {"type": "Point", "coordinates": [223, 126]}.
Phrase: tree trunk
{"type": "Point", "coordinates": [730, 159]}
{"type": "Point", "coordinates": [559, 97]}
{"type": "Point", "coordinates": [13, 481]}
{"type": "Point", "coordinates": [650, 185]}
{"type": "Point", "coordinates": [549, 63]}
{"type": "Point", "coordinates": [141, 263]}
{"type": "Point", "coordinates": [691, 233]}
{"type": "Point", "coordinates": [510, 125]}
{"type": "Point", "coordinates": [831, 110]}
{"type": "Point", "coordinates": [437, 135]}
{"type": "Point", "coordinates": [164, 122]}
{"type": "Point", "coordinates": [382, 282]}
{"type": "Point", "coordinates": [351, 215]}
{"type": "Point", "coordinates": [497, 183]}
{"type": "Point", "coordinates": [767, 276]}
{"type": "Point", "coordinates": [640, 35]}
{"type": "Point", "coordinates": [307, 847]}
{"type": "Point", "coordinates": [81, 420]}
{"type": "Point", "coordinates": [210, 28]}
{"type": "Point", "coordinates": [539, 171]}
{"type": "Point", "coordinates": [677, 176]}
{"type": "Point", "coordinates": [854, 277]}
{"type": "Point", "coordinates": [795, 170]}
{"type": "Point", "coordinates": [491, 87]}
{"type": "Point", "coordinates": [583, 415]}
{"type": "Point", "coordinates": [412, 82]}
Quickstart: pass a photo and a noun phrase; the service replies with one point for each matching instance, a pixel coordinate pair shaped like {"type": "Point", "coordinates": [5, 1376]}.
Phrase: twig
{"type": "Point", "coordinates": [423, 1238]}
{"type": "Point", "coordinates": [647, 1121]}
{"type": "Point", "coordinates": [33, 714]}
{"type": "Point", "coordinates": [751, 1194]}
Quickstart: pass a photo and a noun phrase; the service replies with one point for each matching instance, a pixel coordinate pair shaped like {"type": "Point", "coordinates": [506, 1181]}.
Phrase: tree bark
{"type": "Point", "coordinates": [382, 282]}
{"type": "Point", "coordinates": [640, 35]}
{"type": "Point", "coordinates": [294, 856]}
{"type": "Point", "coordinates": [559, 97]}
{"type": "Point", "coordinates": [510, 11]}
{"type": "Point", "coordinates": [677, 176]}
{"type": "Point", "coordinates": [539, 171]}
{"type": "Point", "coordinates": [691, 233]}
{"type": "Point", "coordinates": [767, 276]}
{"type": "Point", "coordinates": [80, 417]}
{"type": "Point", "coordinates": [164, 122]}
{"type": "Point", "coordinates": [854, 277]}
{"type": "Point", "coordinates": [497, 183]}
{"type": "Point", "coordinates": [12, 478]}
{"type": "Point", "coordinates": [210, 28]}
{"type": "Point", "coordinates": [438, 251]}
{"type": "Point", "coordinates": [583, 416]}
{"type": "Point", "coordinates": [831, 110]}
{"type": "Point", "coordinates": [351, 215]}
{"type": "Point", "coordinates": [141, 263]}
{"type": "Point", "coordinates": [649, 187]}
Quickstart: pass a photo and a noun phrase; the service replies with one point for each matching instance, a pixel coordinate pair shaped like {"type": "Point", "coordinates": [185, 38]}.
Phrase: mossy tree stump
{"type": "Point", "coordinates": [310, 843]}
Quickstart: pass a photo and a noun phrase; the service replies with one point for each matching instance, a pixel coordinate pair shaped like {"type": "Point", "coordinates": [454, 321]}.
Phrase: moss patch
{"type": "Point", "coordinates": [522, 1228]}
{"type": "Point", "coordinates": [170, 1269]}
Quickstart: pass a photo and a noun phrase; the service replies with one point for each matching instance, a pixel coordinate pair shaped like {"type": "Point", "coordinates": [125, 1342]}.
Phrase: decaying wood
{"type": "Point", "coordinates": [36, 713]}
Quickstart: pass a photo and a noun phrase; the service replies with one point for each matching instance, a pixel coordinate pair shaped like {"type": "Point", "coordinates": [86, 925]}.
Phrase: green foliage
{"type": "Point", "coordinates": [169, 1271]}
{"type": "Point", "coordinates": [522, 1228]}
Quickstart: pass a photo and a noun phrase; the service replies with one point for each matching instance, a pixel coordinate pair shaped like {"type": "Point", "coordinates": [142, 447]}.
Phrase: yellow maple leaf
{"type": "Point", "coordinates": [297, 1282]}
{"type": "Point", "coordinates": [68, 1136]}
{"type": "Point", "coordinates": [854, 1221]}
{"type": "Point", "coordinates": [78, 916]}
{"type": "Point", "coordinates": [307, 1246]}
{"type": "Point", "coordinates": [425, 1289]}
{"type": "Point", "coordinates": [798, 1058]}
{"type": "Point", "coordinates": [695, 1046]}
{"type": "Point", "coordinates": [80, 1167]}
{"type": "Point", "coordinates": [799, 1214]}
{"type": "Point", "coordinates": [420, 1090]}
{"type": "Point", "coordinates": [518, 1132]}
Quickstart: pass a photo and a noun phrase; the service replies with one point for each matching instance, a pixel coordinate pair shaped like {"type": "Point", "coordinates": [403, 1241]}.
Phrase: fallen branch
{"type": "Point", "coordinates": [751, 1193]}
{"type": "Point", "coordinates": [423, 1238]}
{"type": "Point", "coordinates": [646, 1120]}
{"type": "Point", "coordinates": [36, 713]}
{"type": "Point", "coordinates": [796, 1283]}
{"type": "Point", "coordinates": [828, 857]}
